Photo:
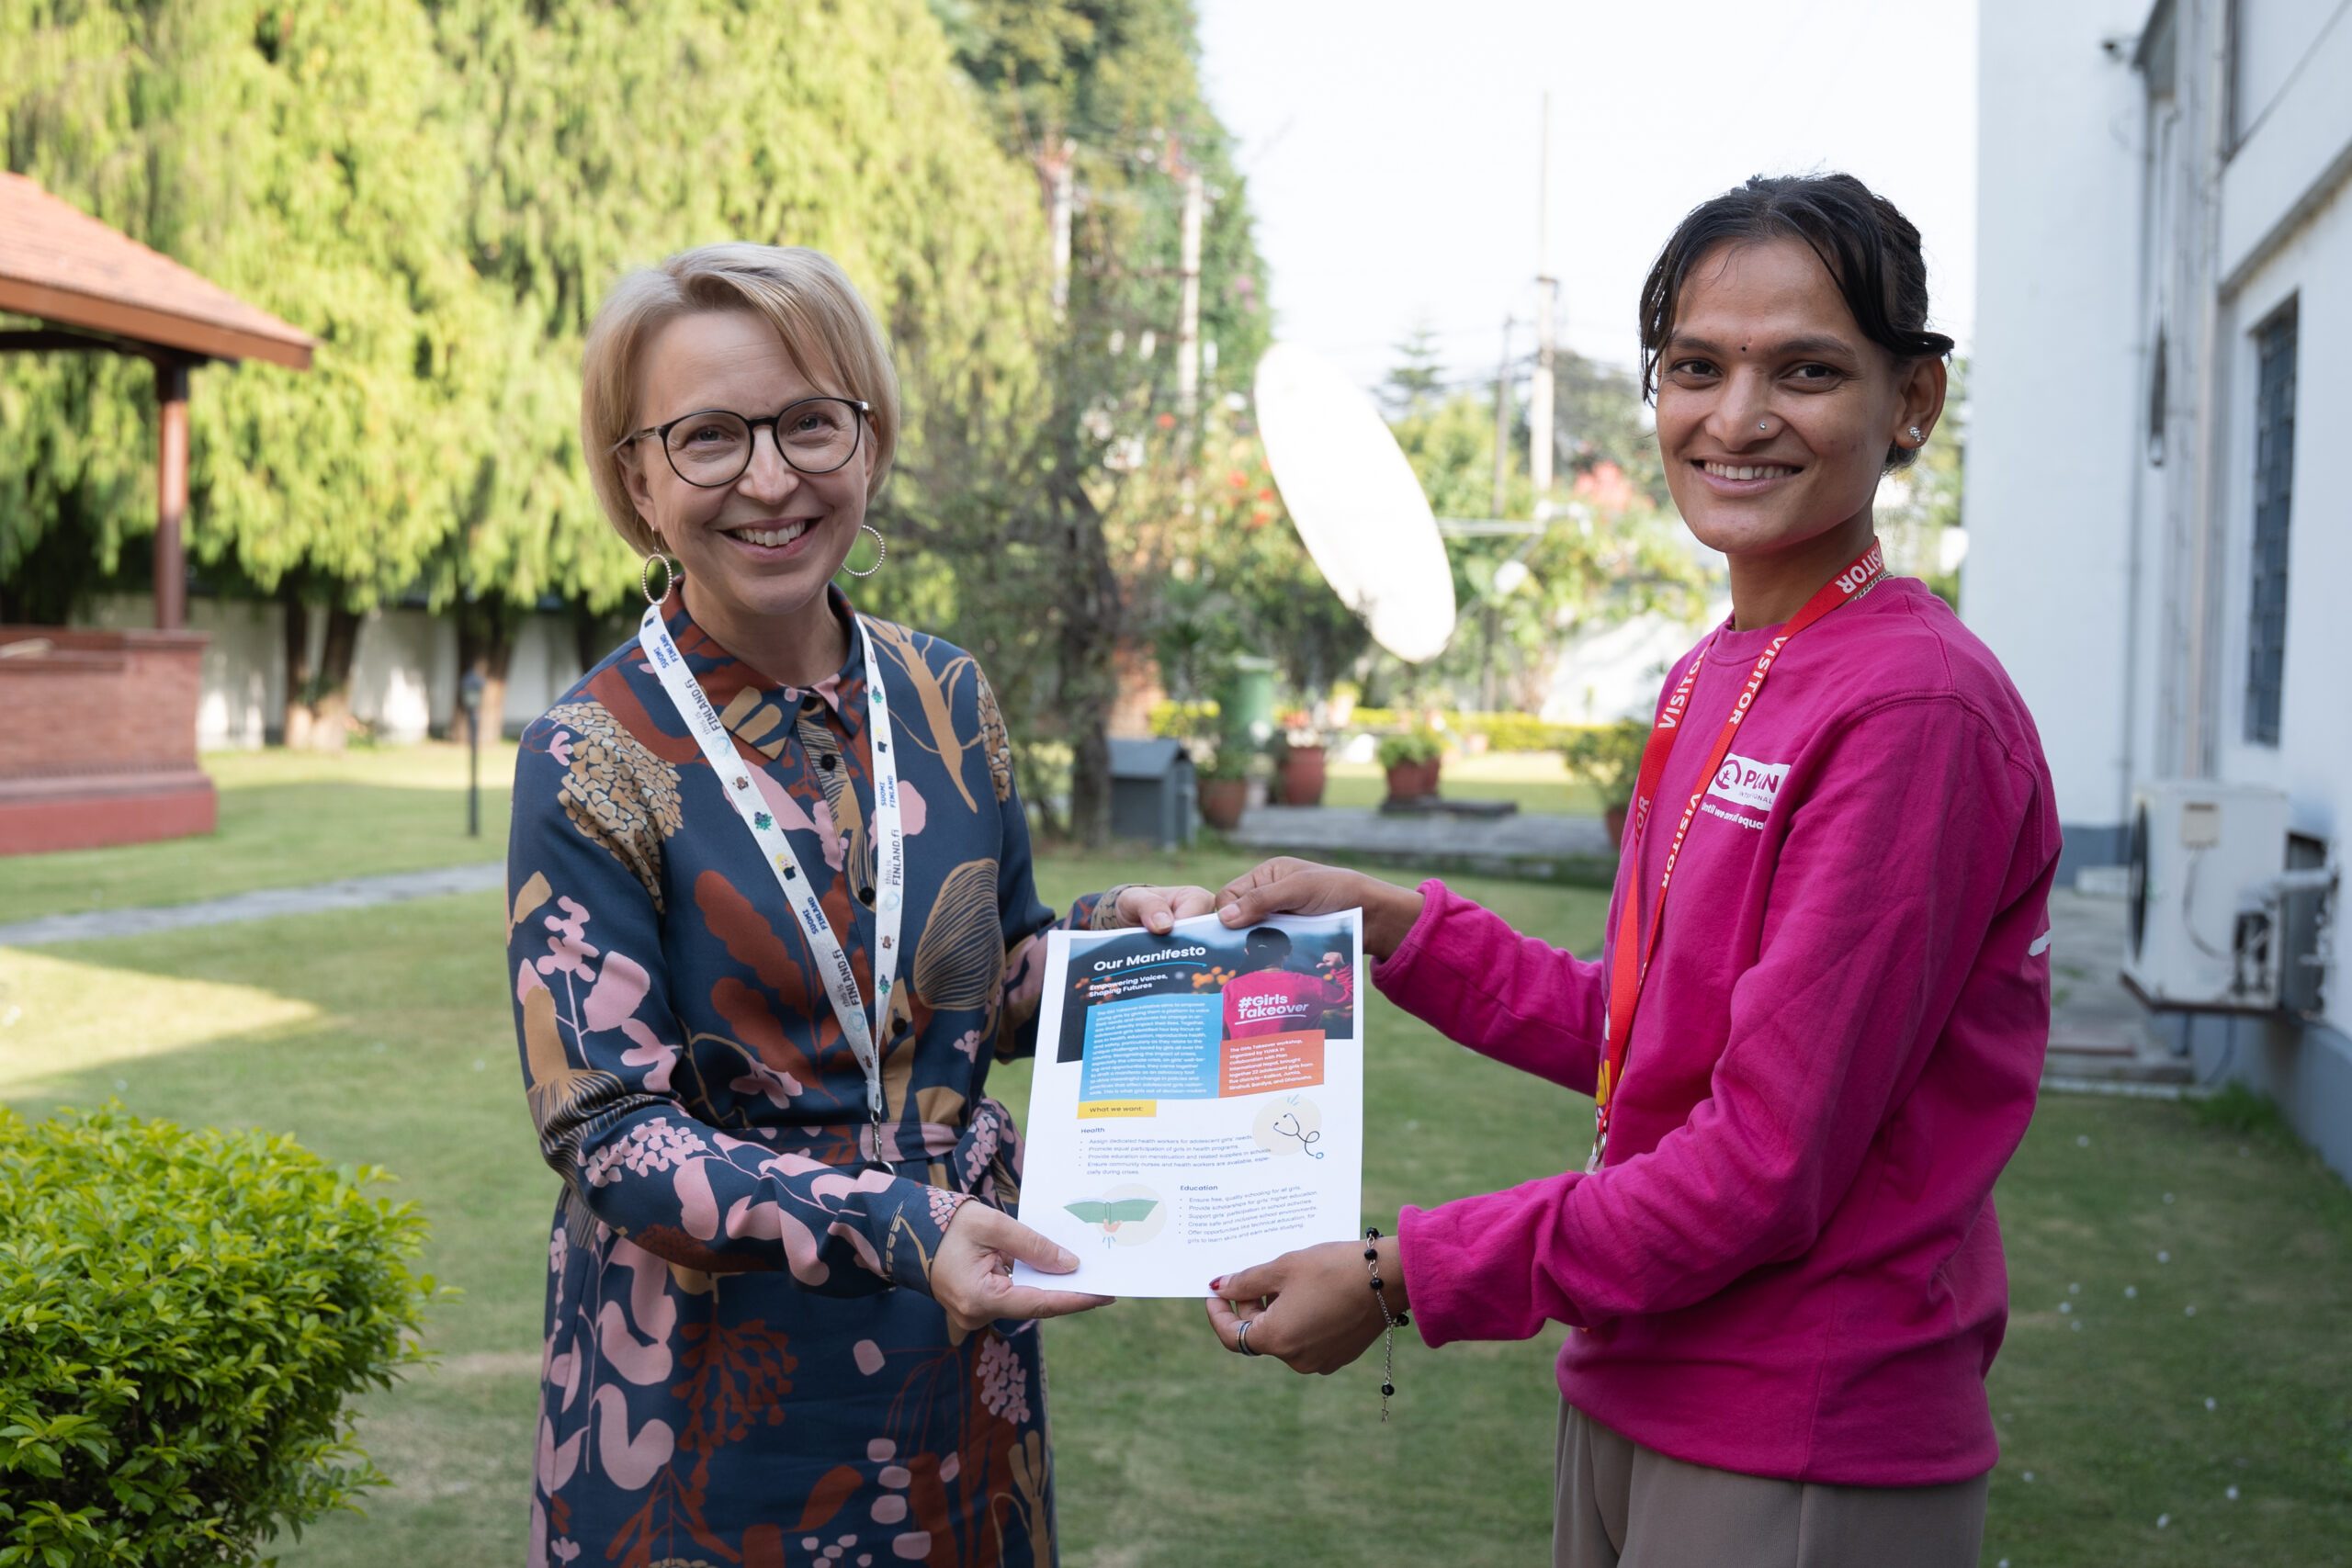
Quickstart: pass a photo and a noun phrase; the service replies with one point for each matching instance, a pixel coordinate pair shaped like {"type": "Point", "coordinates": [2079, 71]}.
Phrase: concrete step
{"type": "Point", "coordinates": [2078, 1064]}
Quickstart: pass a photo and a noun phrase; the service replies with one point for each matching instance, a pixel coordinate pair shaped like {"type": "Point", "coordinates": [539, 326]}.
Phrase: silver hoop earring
{"type": "Point", "coordinates": [881, 550]}
{"type": "Point", "coordinates": [1918, 436]}
{"type": "Point", "coordinates": [672, 570]}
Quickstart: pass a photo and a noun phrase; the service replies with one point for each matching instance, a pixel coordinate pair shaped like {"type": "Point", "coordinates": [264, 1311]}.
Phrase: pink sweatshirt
{"type": "Point", "coordinates": [1789, 1265]}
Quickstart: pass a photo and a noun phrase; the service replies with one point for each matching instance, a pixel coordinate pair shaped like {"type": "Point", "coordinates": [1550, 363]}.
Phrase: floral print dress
{"type": "Point", "coordinates": [742, 1362]}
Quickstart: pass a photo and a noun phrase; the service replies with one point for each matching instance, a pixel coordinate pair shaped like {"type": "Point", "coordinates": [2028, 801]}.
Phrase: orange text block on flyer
{"type": "Point", "coordinates": [1258, 1064]}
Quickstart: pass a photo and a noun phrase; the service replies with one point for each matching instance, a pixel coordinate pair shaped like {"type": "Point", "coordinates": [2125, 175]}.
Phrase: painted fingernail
{"type": "Point", "coordinates": [1217, 1283]}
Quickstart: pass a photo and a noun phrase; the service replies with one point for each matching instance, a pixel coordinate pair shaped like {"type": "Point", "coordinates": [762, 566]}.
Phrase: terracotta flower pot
{"type": "Point", "coordinates": [1412, 781]}
{"type": "Point", "coordinates": [1303, 776]}
{"type": "Point", "coordinates": [1222, 801]}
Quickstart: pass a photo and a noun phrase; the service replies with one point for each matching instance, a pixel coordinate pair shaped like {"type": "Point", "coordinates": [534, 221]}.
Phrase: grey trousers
{"type": "Point", "coordinates": [1618, 1504]}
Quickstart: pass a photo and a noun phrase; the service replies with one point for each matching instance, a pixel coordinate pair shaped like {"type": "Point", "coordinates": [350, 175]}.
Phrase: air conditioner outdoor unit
{"type": "Point", "coordinates": [2204, 860]}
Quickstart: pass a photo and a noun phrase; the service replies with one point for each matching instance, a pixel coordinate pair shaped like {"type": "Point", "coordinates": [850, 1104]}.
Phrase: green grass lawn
{"type": "Point", "coordinates": [1534, 779]}
{"type": "Point", "coordinates": [287, 818]}
{"type": "Point", "coordinates": [383, 1036]}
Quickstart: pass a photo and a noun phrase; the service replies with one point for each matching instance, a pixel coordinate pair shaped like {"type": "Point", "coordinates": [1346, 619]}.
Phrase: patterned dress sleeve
{"type": "Point", "coordinates": [600, 1040]}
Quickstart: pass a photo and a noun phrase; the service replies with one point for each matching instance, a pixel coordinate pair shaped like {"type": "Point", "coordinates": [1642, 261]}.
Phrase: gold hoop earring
{"type": "Point", "coordinates": [672, 571]}
{"type": "Point", "coordinates": [881, 552]}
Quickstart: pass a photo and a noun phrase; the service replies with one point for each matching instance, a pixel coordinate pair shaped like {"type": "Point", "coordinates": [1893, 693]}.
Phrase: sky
{"type": "Point", "coordinates": [1392, 149]}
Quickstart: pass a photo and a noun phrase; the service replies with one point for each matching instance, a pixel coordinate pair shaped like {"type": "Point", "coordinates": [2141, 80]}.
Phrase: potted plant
{"type": "Point", "coordinates": [1609, 758]}
{"type": "Point", "coordinates": [1225, 782]}
{"type": "Point", "coordinates": [1411, 761]}
{"type": "Point", "coordinates": [1300, 767]}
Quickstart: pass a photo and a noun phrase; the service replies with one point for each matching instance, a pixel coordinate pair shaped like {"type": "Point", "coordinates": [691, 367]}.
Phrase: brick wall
{"type": "Point", "coordinates": [77, 702]}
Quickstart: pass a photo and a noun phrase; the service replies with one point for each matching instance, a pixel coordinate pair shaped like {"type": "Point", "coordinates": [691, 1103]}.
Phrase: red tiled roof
{"type": "Point", "coordinates": [62, 264]}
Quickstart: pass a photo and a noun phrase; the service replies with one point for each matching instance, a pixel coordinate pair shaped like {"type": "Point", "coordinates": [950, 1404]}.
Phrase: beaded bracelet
{"type": "Point", "coordinates": [1395, 1320]}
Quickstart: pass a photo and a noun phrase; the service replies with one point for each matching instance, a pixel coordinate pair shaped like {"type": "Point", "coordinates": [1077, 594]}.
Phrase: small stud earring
{"type": "Point", "coordinates": [1918, 436]}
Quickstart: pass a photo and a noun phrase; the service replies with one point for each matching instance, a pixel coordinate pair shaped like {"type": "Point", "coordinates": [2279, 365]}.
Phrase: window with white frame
{"type": "Point", "coordinates": [2274, 470]}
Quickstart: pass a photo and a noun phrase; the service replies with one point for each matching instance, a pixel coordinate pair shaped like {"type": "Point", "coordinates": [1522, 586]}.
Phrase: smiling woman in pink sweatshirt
{"type": "Point", "coordinates": [1816, 1028]}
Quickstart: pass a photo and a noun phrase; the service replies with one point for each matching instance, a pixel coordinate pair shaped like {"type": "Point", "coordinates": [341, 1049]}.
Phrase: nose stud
{"type": "Point", "coordinates": [1762, 424]}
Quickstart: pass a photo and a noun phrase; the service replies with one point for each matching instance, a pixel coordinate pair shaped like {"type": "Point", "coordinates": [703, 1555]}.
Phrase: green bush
{"type": "Point", "coordinates": [183, 1317]}
{"type": "Point", "coordinates": [1608, 757]}
{"type": "Point", "coordinates": [1183, 721]}
{"type": "Point", "coordinates": [1227, 759]}
{"type": "Point", "coordinates": [1412, 746]}
{"type": "Point", "coordinates": [1503, 731]}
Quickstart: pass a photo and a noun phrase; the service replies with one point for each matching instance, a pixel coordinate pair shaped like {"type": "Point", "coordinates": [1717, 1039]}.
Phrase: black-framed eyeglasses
{"type": "Point", "coordinates": [711, 447]}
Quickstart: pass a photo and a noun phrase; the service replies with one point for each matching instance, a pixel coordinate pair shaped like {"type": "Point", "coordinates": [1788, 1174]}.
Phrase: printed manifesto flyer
{"type": "Point", "coordinates": [1198, 1105]}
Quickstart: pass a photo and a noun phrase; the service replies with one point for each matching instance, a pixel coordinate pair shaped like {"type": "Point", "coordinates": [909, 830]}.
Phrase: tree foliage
{"type": "Point", "coordinates": [1067, 566]}
{"type": "Point", "coordinates": [298, 157]}
{"type": "Point", "coordinates": [1611, 551]}
{"type": "Point", "coordinates": [442, 192]}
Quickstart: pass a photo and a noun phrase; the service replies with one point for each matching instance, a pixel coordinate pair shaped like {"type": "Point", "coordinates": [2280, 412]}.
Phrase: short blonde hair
{"type": "Point", "coordinates": [831, 337]}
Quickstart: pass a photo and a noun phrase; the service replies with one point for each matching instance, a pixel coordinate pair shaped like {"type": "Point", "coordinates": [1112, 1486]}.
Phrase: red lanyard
{"type": "Point", "coordinates": [1629, 961]}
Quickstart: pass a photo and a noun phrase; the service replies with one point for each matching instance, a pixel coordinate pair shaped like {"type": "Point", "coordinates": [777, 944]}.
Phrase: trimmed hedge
{"type": "Point", "coordinates": [1503, 731]}
{"type": "Point", "coordinates": [182, 1318]}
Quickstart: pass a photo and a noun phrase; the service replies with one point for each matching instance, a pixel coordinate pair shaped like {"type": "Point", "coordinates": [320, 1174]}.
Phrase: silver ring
{"type": "Point", "coordinates": [1241, 1337]}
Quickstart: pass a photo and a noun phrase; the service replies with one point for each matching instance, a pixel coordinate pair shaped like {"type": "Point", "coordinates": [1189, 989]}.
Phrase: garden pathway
{"type": "Point", "coordinates": [1518, 842]}
{"type": "Point", "coordinates": [2099, 1035]}
{"type": "Point", "coordinates": [268, 903]}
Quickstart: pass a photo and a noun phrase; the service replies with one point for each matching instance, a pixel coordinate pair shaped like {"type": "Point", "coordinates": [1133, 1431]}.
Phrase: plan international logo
{"type": "Point", "coordinates": [1744, 782]}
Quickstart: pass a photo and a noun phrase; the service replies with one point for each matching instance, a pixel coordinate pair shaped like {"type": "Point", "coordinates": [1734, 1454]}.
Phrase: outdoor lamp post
{"type": "Point", "coordinates": [469, 697]}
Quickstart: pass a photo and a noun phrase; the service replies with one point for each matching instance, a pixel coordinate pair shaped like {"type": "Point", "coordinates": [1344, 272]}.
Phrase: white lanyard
{"type": "Point", "coordinates": [889, 837]}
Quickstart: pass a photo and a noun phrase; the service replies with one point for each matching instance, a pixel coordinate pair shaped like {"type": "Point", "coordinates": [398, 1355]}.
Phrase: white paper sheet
{"type": "Point", "coordinates": [1198, 1104]}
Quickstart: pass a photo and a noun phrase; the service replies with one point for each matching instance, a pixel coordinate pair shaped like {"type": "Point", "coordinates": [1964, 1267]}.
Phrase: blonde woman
{"type": "Point", "coordinates": [771, 921]}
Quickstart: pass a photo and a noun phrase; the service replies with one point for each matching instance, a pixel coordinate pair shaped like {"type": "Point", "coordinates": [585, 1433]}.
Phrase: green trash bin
{"type": "Point", "coordinates": [1246, 699]}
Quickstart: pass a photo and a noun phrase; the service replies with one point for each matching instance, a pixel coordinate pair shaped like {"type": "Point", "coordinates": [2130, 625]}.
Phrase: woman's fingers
{"type": "Point", "coordinates": [1157, 908]}
{"type": "Point", "coordinates": [1003, 1234]}
{"type": "Point", "coordinates": [1248, 1284]}
{"type": "Point", "coordinates": [1028, 1301]}
{"type": "Point", "coordinates": [1283, 886]}
{"type": "Point", "coordinates": [970, 1277]}
{"type": "Point", "coordinates": [1191, 902]}
{"type": "Point", "coordinates": [1224, 1322]}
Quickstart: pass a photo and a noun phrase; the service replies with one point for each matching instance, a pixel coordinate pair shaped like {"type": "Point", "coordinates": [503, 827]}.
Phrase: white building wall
{"type": "Point", "coordinates": [2052, 447]}
{"type": "Point", "coordinates": [2312, 762]}
{"type": "Point", "coordinates": [541, 667]}
{"type": "Point", "coordinates": [2233, 227]}
{"type": "Point", "coordinates": [403, 670]}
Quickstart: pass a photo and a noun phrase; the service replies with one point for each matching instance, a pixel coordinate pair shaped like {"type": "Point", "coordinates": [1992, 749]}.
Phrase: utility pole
{"type": "Point", "coordinates": [1188, 327]}
{"type": "Point", "coordinates": [1057, 167]}
{"type": "Point", "coordinates": [1539, 402]}
{"type": "Point", "coordinates": [1502, 422]}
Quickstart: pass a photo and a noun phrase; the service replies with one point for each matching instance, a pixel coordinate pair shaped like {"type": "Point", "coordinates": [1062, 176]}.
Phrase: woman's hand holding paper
{"type": "Point", "coordinates": [1157, 908]}
{"type": "Point", "coordinates": [971, 1274]}
{"type": "Point", "coordinates": [1319, 1314]}
{"type": "Point", "coordinates": [1288, 885]}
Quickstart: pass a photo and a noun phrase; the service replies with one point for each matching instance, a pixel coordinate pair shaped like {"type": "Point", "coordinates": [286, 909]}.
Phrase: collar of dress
{"type": "Point", "coordinates": [706, 656]}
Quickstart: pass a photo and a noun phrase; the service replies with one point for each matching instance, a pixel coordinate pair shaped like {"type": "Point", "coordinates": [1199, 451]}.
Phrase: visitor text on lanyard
{"type": "Point", "coordinates": [734, 777]}
{"type": "Point", "coordinates": [1636, 939]}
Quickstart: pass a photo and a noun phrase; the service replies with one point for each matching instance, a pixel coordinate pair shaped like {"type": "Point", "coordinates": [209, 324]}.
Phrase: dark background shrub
{"type": "Point", "coordinates": [184, 1316]}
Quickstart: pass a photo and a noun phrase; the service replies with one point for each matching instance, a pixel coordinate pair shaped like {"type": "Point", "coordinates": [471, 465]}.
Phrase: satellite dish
{"type": "Point", "coordinates": [1358, 506]}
